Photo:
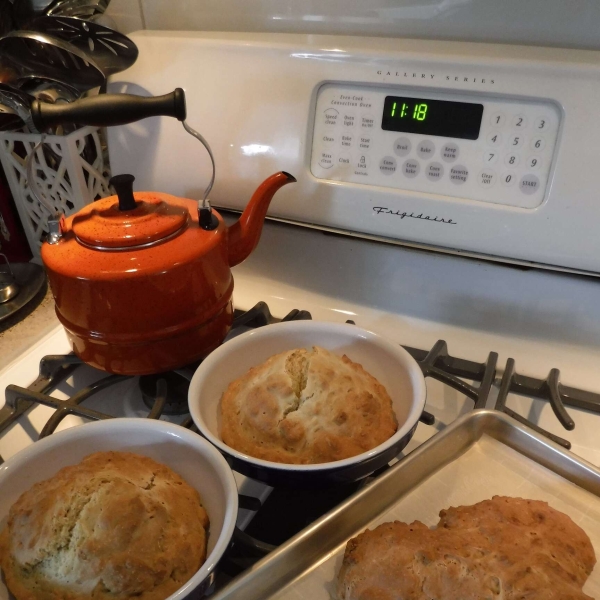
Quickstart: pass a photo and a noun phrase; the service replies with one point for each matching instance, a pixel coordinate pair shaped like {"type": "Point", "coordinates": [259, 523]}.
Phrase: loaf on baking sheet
{"type": "Point", "coordinates": [115, 526]}
{"type": "Point", "coordinates": [304, 407]}
{"type": "Point", "coordinates": [499, 549]}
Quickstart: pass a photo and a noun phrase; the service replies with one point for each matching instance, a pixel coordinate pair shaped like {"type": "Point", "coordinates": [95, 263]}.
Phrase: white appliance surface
{"type": "Point", "coordinates": [512, 194]}
{"type": "Point", "coordinates": [255, 99]}
{"type": "Point", "coordinates": [536, 22]}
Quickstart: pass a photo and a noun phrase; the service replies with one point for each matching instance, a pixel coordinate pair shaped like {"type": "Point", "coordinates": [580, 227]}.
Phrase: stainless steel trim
{"type": "Point", "coordinates": [138, 246]}
{"type": "Point", "coordinates": [315, 542]}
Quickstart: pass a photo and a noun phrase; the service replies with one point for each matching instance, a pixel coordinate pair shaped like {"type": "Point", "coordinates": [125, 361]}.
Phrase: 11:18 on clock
{"type": "Point", "coordinates": [432, 117]}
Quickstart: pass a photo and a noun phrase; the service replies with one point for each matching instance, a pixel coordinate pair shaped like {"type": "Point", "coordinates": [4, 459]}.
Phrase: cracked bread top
{"type": "Point", "coordinates": [499, 549]}
{"type": "Point", "coordinates": [306, 407]}
{"type": "Point", "coordinates": [115, 526]}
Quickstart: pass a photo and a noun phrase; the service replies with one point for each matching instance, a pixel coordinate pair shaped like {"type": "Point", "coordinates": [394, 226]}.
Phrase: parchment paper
{"type": "Point", "coordinates": [487, 469]}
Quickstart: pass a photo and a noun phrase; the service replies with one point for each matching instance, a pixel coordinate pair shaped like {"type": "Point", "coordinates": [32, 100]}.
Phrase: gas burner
{"type": "Point", "coordinates": [177, 385]}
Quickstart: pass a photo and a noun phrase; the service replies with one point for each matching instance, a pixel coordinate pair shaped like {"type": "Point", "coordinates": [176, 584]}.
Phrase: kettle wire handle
{"type": "Point", "coordinates": [204, 203]}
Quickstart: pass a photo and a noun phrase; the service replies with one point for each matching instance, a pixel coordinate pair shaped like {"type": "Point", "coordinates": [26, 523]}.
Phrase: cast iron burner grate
{"type": "Point", "coordinates": [166, 394]}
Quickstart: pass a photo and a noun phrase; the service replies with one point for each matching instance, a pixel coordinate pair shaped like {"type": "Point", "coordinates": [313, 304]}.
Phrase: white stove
{"type": "Point", "coordinates": [331, 253]}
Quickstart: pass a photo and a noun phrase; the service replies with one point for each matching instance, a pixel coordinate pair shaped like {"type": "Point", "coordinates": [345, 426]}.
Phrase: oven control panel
{"type": "Point", "coordinates": [488, 149]}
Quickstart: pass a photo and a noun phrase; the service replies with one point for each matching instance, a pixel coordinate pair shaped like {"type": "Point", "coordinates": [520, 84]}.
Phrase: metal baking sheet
{"type": "Point", "coordinates": [482, 454]}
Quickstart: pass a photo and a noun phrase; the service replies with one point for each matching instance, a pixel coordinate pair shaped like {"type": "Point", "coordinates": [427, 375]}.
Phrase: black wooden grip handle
{"type": "Point", "coordinates": [105, 110]}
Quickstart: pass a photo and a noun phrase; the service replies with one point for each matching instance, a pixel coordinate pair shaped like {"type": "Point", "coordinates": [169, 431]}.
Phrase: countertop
{"type": "Point", "coordinates": [23, 329]}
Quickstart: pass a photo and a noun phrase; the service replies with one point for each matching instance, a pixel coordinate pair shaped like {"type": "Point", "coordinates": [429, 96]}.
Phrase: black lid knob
{"type": "Point", "coordinates": [123, 185]}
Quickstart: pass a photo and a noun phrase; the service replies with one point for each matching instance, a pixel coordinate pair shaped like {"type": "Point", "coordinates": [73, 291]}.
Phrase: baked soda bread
{"type": "Point", "coordinates": [115, 526]}
{"type": "Point", "coordinates": [499, 549]}
{"type": "Point", "coordinates": [304, 407]}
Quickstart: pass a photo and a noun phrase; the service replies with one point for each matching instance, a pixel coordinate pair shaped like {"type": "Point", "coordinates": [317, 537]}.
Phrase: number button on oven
{"type": "Point", "coordinates": [426, 149]}
{"type": "Point", "coordinates": [519, 122]}
{"type": "Point", "coordinates": [541, 124]}
{"type": "Point", "coordinates": [497, 120]}
{"type": "Point", "coordinates": [508, 179]}
{"type": "Point", "coordinates": [538, 144]}
{"type": "Point", "coordinates": [450, 152]}
{"type": "Point", "coordinates": [489, 158]}
{"type": "Point", "coordinates": [494, 139]}
{"type": "Point", "coordinates": [515, 141]}
{"type": "Point", "coordinates": [411, 168]}
{"type": "Point", "coordinates": [387, 165]}
{"type": "Point", "coordinates": [511, 160]}
{"type": "Point", "coordinates": [402, 146]}
{"type": "Point", "coordinates": [533, 162]}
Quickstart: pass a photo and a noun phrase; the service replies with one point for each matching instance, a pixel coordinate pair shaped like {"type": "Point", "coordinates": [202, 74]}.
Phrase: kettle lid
{"type": "Point", "coordinates": [127, 220]}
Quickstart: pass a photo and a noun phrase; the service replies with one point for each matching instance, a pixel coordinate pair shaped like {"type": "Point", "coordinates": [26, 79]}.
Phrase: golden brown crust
{"type": "Point", "coordinates": [305, 407]}
{"type": "Point", "coordinates": [117, 525]}
{"type": "Point", "coordinates": [503, 548]}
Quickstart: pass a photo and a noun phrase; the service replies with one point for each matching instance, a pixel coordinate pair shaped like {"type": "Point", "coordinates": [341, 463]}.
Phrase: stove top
{"type": "Point", "coordinates": [507, 333]}
{"type": "Point", "coordinates": [268, 517]}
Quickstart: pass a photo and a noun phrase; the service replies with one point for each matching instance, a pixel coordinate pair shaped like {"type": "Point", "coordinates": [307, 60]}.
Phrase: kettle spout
{"type": "Point", "coordinates": [245, 233]}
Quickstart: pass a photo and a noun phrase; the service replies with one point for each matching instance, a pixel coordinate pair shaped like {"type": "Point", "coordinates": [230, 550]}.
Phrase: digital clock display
{"type": "Point", "coordinates": [432, 117]}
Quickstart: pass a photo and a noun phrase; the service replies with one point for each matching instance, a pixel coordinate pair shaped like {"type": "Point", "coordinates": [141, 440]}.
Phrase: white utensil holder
{"type": "Point", "coordinates": [70, 172]}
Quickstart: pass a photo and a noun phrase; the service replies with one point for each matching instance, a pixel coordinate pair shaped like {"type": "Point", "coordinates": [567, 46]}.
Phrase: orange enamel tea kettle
{"type": "Point", "coordinates": [142, 280]}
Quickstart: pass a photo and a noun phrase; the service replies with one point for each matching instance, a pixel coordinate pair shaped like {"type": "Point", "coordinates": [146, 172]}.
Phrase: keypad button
{"type": "Point", "coordinates": [450, 152]}
{"type": "Point", "coordinates": [349, 120]}
{"type": "Point", "coordinates": [529, 184]}
{"type": "Point", "coordinates": [533, 162]}
{"type": "Point", "coordinates": [434, 171]}
{"type": "Point", "coordinates": [367, 122]}
{"type": "Point", "coordinates": [494, 139]}
{"type": "Point", "coordinates": [329, 139]}
{"type": "Point", "coordinates": [515, 141]}
{"type": "Point", "coordinates": [489, 158]}
{"type": "Point", "coordinates": [362, 162]}
{"type": "Point", "coordinates": [364, 142]}
{"type": "Point", "coordinates": [411, 168]}
{"type": "Point", "coordinates": [331, 117]}
{"type": "Point", "coordinates": [387, 165]}
{"type": "Point", "coordinates": [346, 140]}
{"type": "Point", "coordinates": [512, 160]}
{"type": "Point", "coordinates": [487, 178]}
{"type": "Point", "coordinates": [541, 124]}
{"type": "Point", "coordinates": [426, 149]}
{"type": "Point", "coordinates": [538, 144]}
{"type": "Point", "coordinates": [508, 179]}
{"type": "Point", "coordinates": [459, 174]}
{"type": "Point", "coordinates": [344, 160]}
{"type": "Point", "coordinates": [402, 146]}
{"type": "Point", "coordinates": [519, 122]}
{"type": "Point", "coordinates": [326, 160]}
{"type": "Point", "coordinates": [498, 119]}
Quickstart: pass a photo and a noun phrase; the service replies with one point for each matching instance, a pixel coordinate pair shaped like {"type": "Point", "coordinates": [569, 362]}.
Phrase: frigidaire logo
{"type": "Point", "coordinates": [417, 75]}
{"type": "Point", "coordinates": [384, 210]}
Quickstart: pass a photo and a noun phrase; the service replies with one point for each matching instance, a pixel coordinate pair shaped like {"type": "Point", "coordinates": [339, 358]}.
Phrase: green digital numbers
{"type": "Point", "coordinates": [420, 112]}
